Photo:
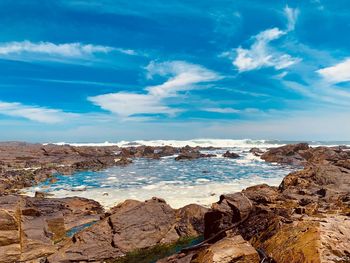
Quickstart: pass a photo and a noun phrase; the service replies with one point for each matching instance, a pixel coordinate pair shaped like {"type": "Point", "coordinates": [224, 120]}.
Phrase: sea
{"type": "Point", "coordinates": [199, 181]}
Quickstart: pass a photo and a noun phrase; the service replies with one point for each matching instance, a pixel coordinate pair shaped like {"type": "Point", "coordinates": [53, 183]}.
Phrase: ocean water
{"type": "Point", "coordinates": [199, 181]}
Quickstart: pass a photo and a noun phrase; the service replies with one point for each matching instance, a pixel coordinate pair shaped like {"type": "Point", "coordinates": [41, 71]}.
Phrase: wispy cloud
{"type": "Point", "coordinates": [127, 104]}
{"type": "Point", "coordinates": [222, 110]}
{"type": "Point", "coordinates": [337, 73]}
{"type": "Point", "coordinates": [34, 113]}
{"type": "Point", "coordinates": [261, 53]}
{"type": "Point", "coordinates": [292, 15]}
{"type": "Point", "coordinates": [182, 76]}
{"type": "Point", "coordinates": [27, 50]}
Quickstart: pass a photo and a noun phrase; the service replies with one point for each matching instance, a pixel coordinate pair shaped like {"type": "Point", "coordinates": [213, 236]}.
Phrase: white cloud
{"type": "Point", "coordinates": [292, 15]}
{"type": "Point", "coordinates": [128, 104]}
{"type": "Point", "coordinates": [130, 52]}
{"type": "Point", "coordinates": [67, 50]}
{"type": "Point", "coordinates": [261, 54]}
{"type": "Point", "coordinates": [47, 51]}
{"type": "Point", "coordinates": [34, 113]}
{"type": "Point", "coordinates": [222, 110]}
{"type": "Point", "coordinates": [181, 76]}
{"type": "Point", "coordinates": [337, 73]}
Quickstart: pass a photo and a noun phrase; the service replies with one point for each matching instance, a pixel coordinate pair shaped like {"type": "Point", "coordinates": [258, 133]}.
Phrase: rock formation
{"type": "Point", "coordinates": [305, 219]}
{"type": "Point", "coordinates": [132, 225]}
{"type": "Point", "coordinates": [36, 228]}
{"type": "Point", "coordinates": [189, 153]}
{"type": "Point", "coordinates": [30, 227]}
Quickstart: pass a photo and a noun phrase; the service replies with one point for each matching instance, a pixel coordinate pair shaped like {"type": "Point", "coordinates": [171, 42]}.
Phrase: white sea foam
{"type": "Point", "coordinates": [245, 143]}
{"type": "Point", "coordinates": [220, 143]}
{"type": "Point", "coordinates": [175, 194]}
{"type": "Point", "coordinates": [97, 144]}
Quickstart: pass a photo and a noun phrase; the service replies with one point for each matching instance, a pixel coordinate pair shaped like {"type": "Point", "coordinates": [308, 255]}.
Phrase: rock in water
{"type": "Point", "coordinates": [288, 154]}
{"type": "Point", "coordinates": [123, 161]}
{"type": "Point", "coordinates": [231, 155]}
{"type": "Point", "coordinates": [193, 155]}
{"type": "Point", "coordinates": [256, 151]}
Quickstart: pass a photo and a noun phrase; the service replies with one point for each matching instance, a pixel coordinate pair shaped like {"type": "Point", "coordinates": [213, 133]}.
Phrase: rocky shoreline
{"type": "Point", "coordinates": [305, 219]}
{"type": "Point", "coordinates": [24, 164]}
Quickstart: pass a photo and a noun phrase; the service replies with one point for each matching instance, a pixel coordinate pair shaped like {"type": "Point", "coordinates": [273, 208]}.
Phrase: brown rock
{"type": "Point", "coordinates": [326, 240]}
{"type": "Point", "coordinates": [30, 227]}
{"type": "Point", "coordinates": [231, 155]}
{"type": "Point", "coordinates": [256, 151]}
{"type": "Point", "coordinates": [190, 221]}
{"type": "Point", "coordinates": [262, 194]}
{"type": "Point", "coordinates": [228, 250]}
{"type": "Point", "coordinates": [193, 154]}
{"type": "Point", "coordinates": [123, 161]}
{"type": "Point", "coordinates": [288, 154]}
{"type": "Point", "coordinates": [230, 209]}
{"type": "Point", "coordinates": [132, 225]}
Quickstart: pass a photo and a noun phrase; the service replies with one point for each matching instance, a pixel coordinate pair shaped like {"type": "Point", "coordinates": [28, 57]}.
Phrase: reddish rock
{"type": "Point", "coordinates": [256, 151]}
{"type": "Point", "coordinates": [288, 154]}
{"type": "Point", "coordinates": [132, 225]}
{"type": "Point", "coordinates": [188, 153]}
{"type": "Point", "coordinates": [231, 155]}
{"type": "Point", "coordinates": [30, 227]}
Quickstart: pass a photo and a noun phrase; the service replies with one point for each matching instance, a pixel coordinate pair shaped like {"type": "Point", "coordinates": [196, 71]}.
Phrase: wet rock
{"type": "Point", "coordinates": [123, 161]}
{"type": "Point", "coordinates": [188, 153]}
{"type": "Point", "coordinates": [231, 155]}
{"type": "Point", "coordinates": [39, 194]}
{"type": "Point", "coordinates": [256, 151]}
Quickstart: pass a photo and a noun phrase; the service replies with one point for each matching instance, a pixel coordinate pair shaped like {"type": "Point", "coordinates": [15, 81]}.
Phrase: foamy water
{"type": "Point", "coordinates": [198, 181]}
{"type": "Point", "coordinates": [222, 143]}
{"type": "Point", "coordinates": [245, 143]}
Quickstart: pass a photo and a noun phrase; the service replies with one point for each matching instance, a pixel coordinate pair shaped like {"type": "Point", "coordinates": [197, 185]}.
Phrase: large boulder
{"type": "Point", "coordinates": [31, 227]}
{"type": "Point", "coordinates": [295, 154]}
{"type": "Point", "coordinates": [311, 240]}
{"type": "Point", "coordinates": [228, 250]}
{"type": "Point", "coordinates": [231, 209]}
{"type": "Point", "coordinates": [132, 225]}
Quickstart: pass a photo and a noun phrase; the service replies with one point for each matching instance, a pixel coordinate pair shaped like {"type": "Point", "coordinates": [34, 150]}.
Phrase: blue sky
{"type": "Point", "coordinates": [75, 70]}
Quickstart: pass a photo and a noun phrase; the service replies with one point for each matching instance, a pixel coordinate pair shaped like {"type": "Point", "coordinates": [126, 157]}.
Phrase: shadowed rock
{"type": "Point", "coordinates": [30, 227]}
{"type": "Point", "coordinates": [231, 155]}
